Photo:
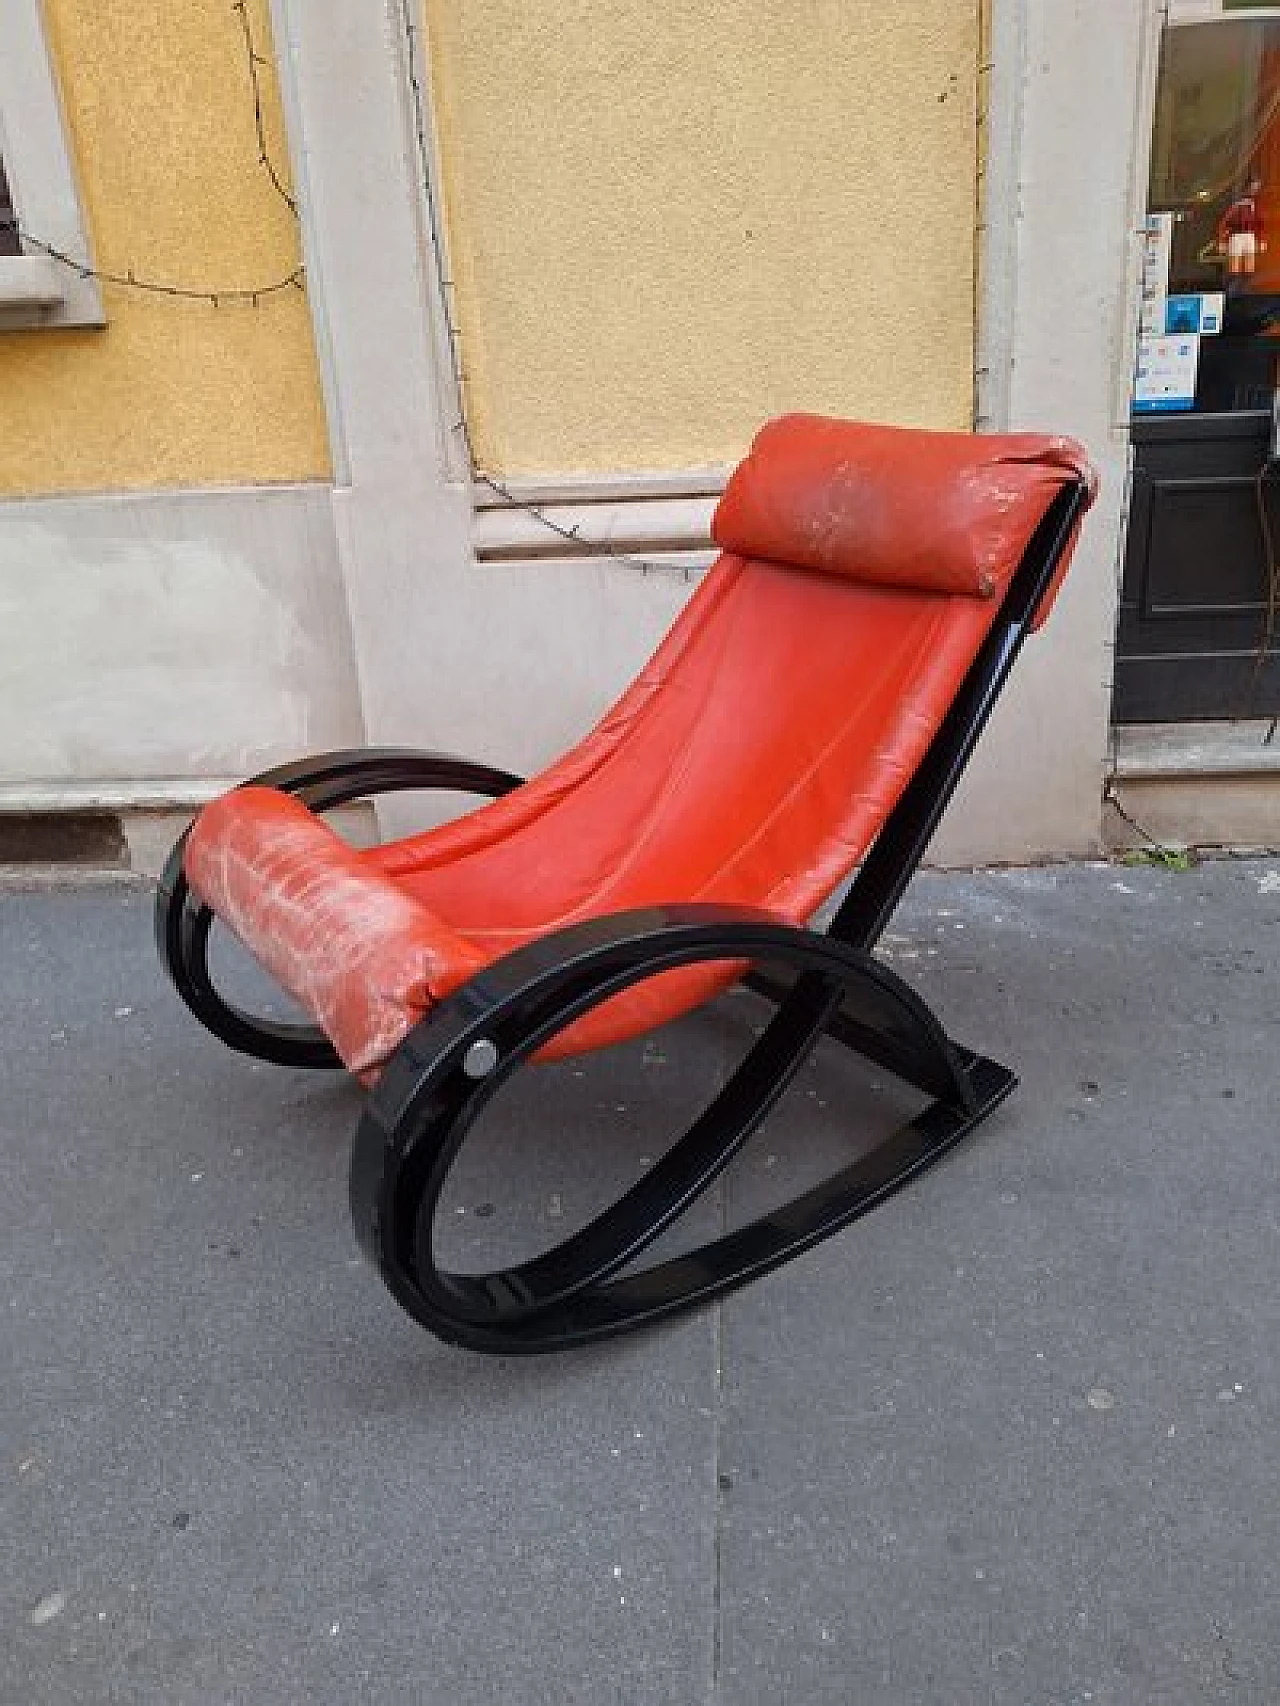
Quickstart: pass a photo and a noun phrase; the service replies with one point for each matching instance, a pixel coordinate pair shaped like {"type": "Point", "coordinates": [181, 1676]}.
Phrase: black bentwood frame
{"type": "Point", "coordinates": [454, 1061]}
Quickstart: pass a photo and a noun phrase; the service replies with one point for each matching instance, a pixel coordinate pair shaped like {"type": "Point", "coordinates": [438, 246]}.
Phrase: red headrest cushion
{"type": "Point", "coordinates": [894, 506]}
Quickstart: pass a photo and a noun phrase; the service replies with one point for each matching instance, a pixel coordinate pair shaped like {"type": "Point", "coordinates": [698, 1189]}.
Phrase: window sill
{"type": "Point", "coordinates": [36, 291]}
{"type": "Point", "coordinates": [1161, 751]}
{"type": "Point", "coordinates": [663, 519]}
{"type": "Point", "coordinates": [30, 281]}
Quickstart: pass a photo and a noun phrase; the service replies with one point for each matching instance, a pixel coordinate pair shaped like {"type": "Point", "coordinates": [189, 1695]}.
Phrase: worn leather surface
{"type": "Point", "coordinates": [358, 952]}
{"type": "Point", "coordinates": [888, 506]}
{"type": "Point", "coordinates": [751, 761]}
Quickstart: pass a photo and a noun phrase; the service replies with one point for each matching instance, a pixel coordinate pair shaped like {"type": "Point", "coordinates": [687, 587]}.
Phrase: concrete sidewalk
{"type": "Point", "coordinates": [1013, 1439]}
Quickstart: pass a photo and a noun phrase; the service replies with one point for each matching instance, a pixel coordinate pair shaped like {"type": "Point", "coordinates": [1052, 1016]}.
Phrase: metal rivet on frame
{"type": "Point", "coordinates": [481, 1058]}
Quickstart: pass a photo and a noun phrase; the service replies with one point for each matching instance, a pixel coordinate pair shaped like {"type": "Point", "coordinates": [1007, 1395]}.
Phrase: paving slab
{"type": "Point", "coordinates": [1014, 1437]}
{"type": "Point", "coordinates": [230, 1469]}
{"type": "Point", "coordinates": [1011, 1439]}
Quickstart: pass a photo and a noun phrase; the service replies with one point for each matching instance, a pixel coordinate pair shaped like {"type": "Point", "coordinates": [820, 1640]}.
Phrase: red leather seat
{"type": "Point", "coordinates": [752, 761]}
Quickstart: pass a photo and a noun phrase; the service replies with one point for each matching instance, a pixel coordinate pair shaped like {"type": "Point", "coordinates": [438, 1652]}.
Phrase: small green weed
{"type": "Point", "coordinates": [1165, 858]}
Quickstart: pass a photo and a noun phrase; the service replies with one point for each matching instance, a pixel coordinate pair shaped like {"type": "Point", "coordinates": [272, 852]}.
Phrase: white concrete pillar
{"type": "Point", "coordinates": [1071, 94]}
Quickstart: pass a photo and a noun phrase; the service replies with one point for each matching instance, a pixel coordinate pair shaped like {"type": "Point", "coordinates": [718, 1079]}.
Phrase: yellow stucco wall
{"type": "Point", "coordinates": [160, 112]}
{"type": "Point", "coordinates": [667, 223]}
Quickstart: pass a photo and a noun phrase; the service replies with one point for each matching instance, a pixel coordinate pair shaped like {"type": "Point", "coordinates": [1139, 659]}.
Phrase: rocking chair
{"type": "Point", "coordinates": [809, 713]}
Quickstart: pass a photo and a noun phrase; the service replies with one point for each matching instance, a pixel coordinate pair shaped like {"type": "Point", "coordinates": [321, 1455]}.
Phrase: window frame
{"type": "Point", "coordinates": [35, 289]}
{"type": "Point", "coordinates": [1216, 12]}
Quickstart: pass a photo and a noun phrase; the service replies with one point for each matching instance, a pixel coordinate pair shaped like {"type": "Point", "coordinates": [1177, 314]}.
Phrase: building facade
{"type": "Point", "coordinates": [368, 373]}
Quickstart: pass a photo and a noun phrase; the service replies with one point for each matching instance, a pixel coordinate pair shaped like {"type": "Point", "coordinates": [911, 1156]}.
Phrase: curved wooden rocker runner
{"type": "Point", "coordinates": [810, 712]}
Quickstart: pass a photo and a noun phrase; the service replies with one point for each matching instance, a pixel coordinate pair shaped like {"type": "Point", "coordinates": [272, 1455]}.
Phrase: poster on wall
{"type": "Point", "coordinates": [1166, 377]}
{"type": "Point", "coordinates": [1196, 312]}
{"type": "Point", "coordinates": [1157, 248]}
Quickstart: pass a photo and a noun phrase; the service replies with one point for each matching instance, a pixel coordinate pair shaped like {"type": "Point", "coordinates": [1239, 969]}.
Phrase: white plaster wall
{"type": "Point", "coordinates": [511, 663]}
{"type": "Point", "coordinates": [201, 635]}
{"type": "Point", "coordinates": [507, 663]}
{"type": "Point", "coordinates": [1073, 92]}
{"type": "Point", "coordinates": [148, 639]}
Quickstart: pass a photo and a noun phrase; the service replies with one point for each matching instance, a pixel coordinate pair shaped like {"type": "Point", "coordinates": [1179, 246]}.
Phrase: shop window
{"type": "Point", "coordinates": [1200, 596]}
{"type": "Point", "coordinates": [1212, 274]}
{"type": "Point", "coordinates": [43, 244]}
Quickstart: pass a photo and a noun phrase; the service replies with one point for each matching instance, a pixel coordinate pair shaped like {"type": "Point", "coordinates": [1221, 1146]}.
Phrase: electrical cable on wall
{"type": "Point", "coordinates": [256, 60]}
{"type": "Point", "coordinates": [462, 426]}
{"type": "Point", "coordinates": [254, 295]}
{"type": "Point", "coordinates": [251, 294]}
{"type": "Point", "coordinates": [130, 279]}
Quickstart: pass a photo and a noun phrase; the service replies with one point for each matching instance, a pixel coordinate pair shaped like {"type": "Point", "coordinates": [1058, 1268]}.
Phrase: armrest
{"type": "Point", "coordinates": [331, 779]}
{"type": "Point", "coordinates": [321, 782]}
{"type": "Point", "coordinates": [359, 953]}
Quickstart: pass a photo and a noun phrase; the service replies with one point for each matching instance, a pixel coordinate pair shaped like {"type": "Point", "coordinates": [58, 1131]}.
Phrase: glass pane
{"type": "Point", "coordinates": [1215, 158]}
{"type": "Point", "coordinates": [1215, 174]}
